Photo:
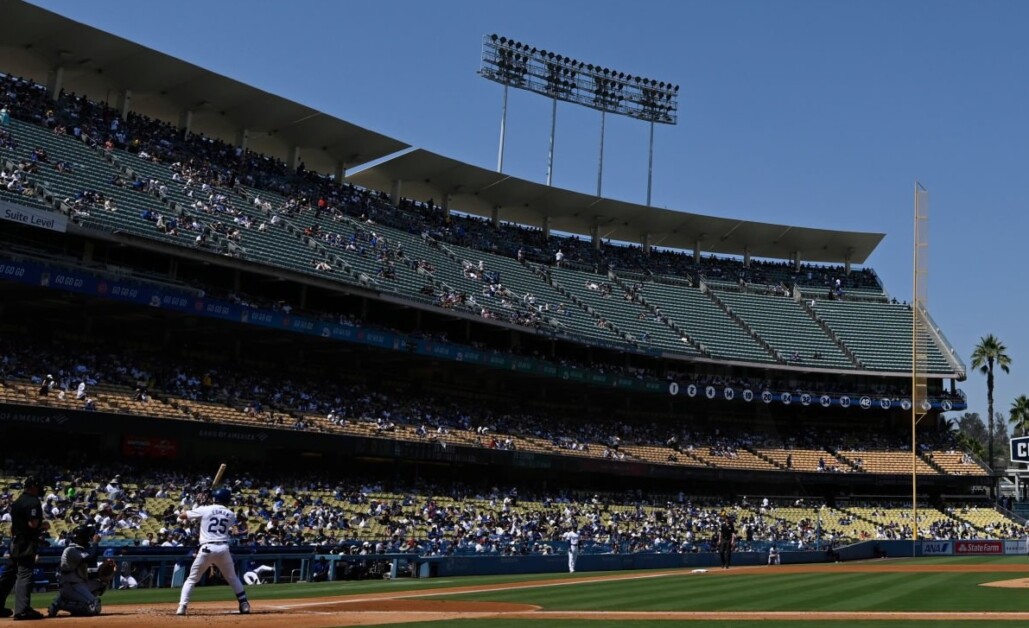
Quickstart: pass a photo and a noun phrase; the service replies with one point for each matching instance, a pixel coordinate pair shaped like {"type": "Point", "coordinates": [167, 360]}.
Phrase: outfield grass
{"type": "Point", "coordinates": [760, 589]}
{"type": "Point", "coordinates": [765, 590]}
{"type": "Point", "coordinates": [313, 590]}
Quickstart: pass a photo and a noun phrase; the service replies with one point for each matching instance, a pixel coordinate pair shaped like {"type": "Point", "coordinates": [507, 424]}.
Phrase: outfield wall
{"type": "Point", "coordinates": [295, 565]}
{"type": "Point", "coordinates": [493, 565]}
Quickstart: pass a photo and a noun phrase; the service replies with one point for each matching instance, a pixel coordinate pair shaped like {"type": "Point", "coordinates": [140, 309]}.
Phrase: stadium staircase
{"type": "Point", "coordinates": [842, 346]}
{"type": "Point", "coordinates": [878, 334]}
{"type": "Point", "coordinates": [784, 327]}
{"type": "Point", "coordinates": [931, 463]}
{"type": "Point", "coordinates": [956, 463]}
{"type": "Point", "coordinates": [628, 318]}
{"type": "Point", "coordinates": [705, 324]}
{"type": "Point", "coordinates": [657, 315]}
{"type": "Point", "coordinates": [769, 459]}
{"type": "Point", "coordinates": [594, 319]}
{"type": "Point", "coordinates": [889, 462]}
{"type": "Point", "coordinates": [704, 288]}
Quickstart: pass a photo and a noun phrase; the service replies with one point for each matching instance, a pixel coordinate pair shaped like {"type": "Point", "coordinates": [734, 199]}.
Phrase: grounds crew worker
{"type": "Point", "coordinates": [27, 526]}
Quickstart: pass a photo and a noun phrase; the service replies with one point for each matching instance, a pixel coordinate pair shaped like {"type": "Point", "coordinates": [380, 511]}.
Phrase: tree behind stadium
{"type": "Point", "coordinates": [990, 352]}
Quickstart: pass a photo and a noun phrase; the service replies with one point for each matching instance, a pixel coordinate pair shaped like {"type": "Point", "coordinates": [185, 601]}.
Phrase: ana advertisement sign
{"type": "Point", "coordinates": [937, 548]}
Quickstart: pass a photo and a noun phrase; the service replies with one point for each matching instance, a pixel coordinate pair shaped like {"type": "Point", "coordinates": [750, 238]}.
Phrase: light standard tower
{"type": "Point", "coordinates": [515, 64]}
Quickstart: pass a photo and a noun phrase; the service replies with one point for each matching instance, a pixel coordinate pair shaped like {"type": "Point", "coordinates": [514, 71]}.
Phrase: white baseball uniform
{"type": "Point", "coordinates": [573, 548]}
{"type": "Point", "coordinates": [216, 521]}
{"type": "Point", "coordinates": [254, 576]}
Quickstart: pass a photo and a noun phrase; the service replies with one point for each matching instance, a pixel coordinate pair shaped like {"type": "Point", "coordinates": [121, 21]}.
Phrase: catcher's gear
{"type": "Point", "coordinates": [77, 608]}
{"type": "Point", "coordinates": [221, 496]}
{"type": "Point", "coordinates": [105, 572]}
{"type": "Point", "coordinates": [83, 535]}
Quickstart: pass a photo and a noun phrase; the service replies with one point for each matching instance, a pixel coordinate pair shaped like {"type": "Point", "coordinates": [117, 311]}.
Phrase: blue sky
{"type": "Point", "coordinates": [819, 113]}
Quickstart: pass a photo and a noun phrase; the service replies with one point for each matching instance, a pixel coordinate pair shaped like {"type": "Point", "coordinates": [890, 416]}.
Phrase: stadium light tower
{"type": "Point", "coordinates": [515, 64]}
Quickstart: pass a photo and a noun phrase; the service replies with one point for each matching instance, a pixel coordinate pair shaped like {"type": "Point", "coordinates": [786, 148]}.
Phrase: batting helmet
{"type": "Point", "coordinates": [83, 535]}
{"type": "Point", "coordinates": [221, 496]}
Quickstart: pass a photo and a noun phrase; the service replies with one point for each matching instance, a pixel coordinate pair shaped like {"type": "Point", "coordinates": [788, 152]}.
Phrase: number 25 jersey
{"type": "Point", "coordinates": [216, 521]}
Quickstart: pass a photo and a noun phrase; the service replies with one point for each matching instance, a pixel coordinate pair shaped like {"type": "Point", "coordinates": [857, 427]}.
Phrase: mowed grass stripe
{"type": "Point", "coordinates": [672, 593]}
{"type": "Point", "coordinates": [326, 589]}
{"type": "Point", "coordinates": [769, 591]}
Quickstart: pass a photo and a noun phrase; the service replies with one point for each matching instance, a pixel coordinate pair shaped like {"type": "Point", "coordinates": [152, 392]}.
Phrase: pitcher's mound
{"type": "Point", "coordinates": [1017, 583]}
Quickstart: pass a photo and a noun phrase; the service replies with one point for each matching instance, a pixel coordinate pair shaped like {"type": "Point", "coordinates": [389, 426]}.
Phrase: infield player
{"type": "Point", "coordinates": [726, 540]}
{"type": "Point", "coordinates": [572, 536]}
{"type": "Point", "coordinates": [216, 524]}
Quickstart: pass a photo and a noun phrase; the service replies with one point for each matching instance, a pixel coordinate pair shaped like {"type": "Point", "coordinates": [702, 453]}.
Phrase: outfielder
{"type": "Point", "coordinates": [81, 587]}
{"type": "Point", "coordinates": [216, 522]}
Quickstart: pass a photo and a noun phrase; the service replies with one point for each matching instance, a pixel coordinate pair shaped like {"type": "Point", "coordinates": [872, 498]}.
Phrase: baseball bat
{"type": "Point", "coordinates": [218, 476]}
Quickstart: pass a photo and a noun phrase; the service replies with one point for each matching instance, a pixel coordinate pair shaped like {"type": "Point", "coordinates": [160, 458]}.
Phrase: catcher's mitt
{"type": "Point", "coordinates": [105, 572]}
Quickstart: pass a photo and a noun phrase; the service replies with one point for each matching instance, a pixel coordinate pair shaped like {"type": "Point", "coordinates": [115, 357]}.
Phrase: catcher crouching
{"type": "Point", "coordinates": [81, 587]}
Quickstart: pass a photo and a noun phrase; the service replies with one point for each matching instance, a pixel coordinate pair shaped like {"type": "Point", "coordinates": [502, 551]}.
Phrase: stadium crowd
{"type": "Point", "coordinates": [207, 168]}
{"type": "Point", "coordinates": [429, 519]}
{"type": "Point", "coordinates": [360, 515]}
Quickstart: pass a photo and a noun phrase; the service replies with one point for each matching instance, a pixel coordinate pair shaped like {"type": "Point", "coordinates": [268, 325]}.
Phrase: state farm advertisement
{"type": "Point", "coordinates": [979, 547]}
{"type": "Point", "coordinates": [150, 447]}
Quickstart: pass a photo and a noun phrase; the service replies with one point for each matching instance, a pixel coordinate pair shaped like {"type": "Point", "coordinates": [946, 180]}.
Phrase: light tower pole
{"type": "Point", "coordinates": [515, 64]}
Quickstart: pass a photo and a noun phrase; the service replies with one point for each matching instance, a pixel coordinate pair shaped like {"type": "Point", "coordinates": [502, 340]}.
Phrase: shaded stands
{"type": "Point", "coordinates": [28, 198]}
{"type": "Point", "coordinates": [90, 170]}
{"type": "Point", "coordinates": [705, 451]}
{"type": "Point", "coordinates": [96, 170]}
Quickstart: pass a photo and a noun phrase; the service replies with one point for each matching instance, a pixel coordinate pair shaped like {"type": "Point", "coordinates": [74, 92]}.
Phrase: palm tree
{"type": "Point", "coordinates": [990, 352]}
{"type": "Point", "coordinates": [1019, 417]}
